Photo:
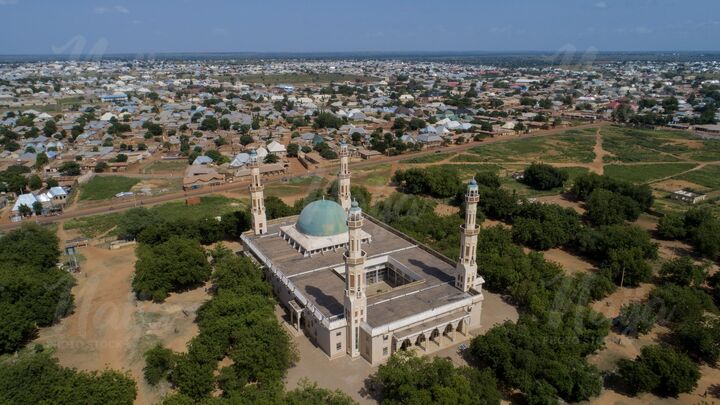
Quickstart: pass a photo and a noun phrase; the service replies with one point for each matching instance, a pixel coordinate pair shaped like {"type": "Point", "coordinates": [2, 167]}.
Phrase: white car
{"type": "Point", "coordinates": [124, 194]}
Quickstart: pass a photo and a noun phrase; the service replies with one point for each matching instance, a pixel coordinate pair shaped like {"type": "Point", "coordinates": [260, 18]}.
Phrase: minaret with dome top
{"type": "Point", "coordinates": [344, 177]}
{"type": "Point", "coordinates": [355, 297]}
{"type": "Point", "coordinates": [466, 270]}
{"type": "Point", "coordinates": [257, 209]}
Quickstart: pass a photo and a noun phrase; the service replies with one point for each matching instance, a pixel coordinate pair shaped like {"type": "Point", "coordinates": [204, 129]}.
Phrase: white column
{"type": "Point", "coordinates": [355, 297]}
{"type": "Point", "coordinates": [257, 200]}
{"type": "Point", "coordinates": [344, 177]}
{"type": "Point", "coordinates": [466, 270]}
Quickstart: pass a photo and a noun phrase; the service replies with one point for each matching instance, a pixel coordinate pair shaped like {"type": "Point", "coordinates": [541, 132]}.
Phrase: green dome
{"type": "Point", "coordinates": [322, 218]}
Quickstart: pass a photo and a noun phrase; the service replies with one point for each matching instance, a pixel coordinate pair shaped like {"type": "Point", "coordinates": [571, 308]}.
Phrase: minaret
{"type": "Point", "coordinates": [257, 209]}
{"type": "Point", "coordinates": [467, 265]}
{"type": "Point", "coordinates": [344, 177]}
{"type": "Point", "coordinates": [355, 298]}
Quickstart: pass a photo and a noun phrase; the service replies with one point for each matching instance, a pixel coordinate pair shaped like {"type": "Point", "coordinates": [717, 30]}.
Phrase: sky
{"type": "Point", "coordinates": [146, 27]}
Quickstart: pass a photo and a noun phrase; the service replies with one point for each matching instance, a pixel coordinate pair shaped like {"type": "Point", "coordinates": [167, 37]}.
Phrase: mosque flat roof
{"type": "Point", "coordinates": [315, 279]}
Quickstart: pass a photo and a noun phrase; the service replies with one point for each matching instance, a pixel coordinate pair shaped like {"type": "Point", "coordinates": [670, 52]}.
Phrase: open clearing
{"type": "Point", "coordinates": [105, 187]}
{"type": "Point", "coordinates": [110, 328]}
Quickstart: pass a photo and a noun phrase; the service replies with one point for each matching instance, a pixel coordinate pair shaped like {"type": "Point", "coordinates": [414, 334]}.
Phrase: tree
{"type": "Point", "coordinates": [209, 124]}
{"type": "Point", "coordinates": [636, 319]}
{"type": "Point", "coordinates": [309, 393]}
{"type": "Point", "coordinates": [174, 265]}
{"type": "Point", "coordinates": [70, 169]}
{"type": "Point", "coordinates": [49, 128]}
{"type": "Point", "coordinates": [705, 238]}
{"type": "Point", "coordinates": [292, 149]}
{"type": "Point", "coordinates": [699, 338]}
{"type": "Point", "coordinates": [683, 272]}
{"type": "Point", "coordinates": [36, 378]}
{"type": "Point", "coordinates": [661, 370]}
{"type": "Point", "coordinates": [34, 182]}
{"type": "Point", "coordinates": [37, 208]}
{"type": "Point", "coordinates": [627, 267]}
{"type": "Point", "coordinates": [408, 379]}
{"type": "Point", "coordinates": [101, 167]}
{"type": "Point", "coordinates": [542, 176]}
{"type": "Point", "coordinates": [271, 158]}
{"type": "Point", "coordinates": [605, 207]}
{"type": "Point", "coordinates": [24, 210]}
{"type": "Point", "coordinates": [159, 362]}
{"type": "Point", "coordinates": [676, 303]}
{"type": "Point", "coordinates": [41, 159]}
{"type": "Point", "coordinates": [35, 292]}
{"type": "Point", "coordinates": [672, 226]}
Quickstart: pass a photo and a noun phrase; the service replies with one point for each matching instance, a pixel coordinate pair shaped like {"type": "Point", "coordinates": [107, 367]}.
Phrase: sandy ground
{"type": "Point", "coordinates": [350, 375]}
{"type": "Point", "coordinates": [571, 263]}
{"type": "Point", "coordinates": [110, 328]}
{"type": "Point", "coordinates": [562, 201]}
{"type": "Point", "coordinates": [597, 165]}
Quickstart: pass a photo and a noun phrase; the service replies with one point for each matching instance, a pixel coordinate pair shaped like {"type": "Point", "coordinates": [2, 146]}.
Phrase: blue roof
{"type": "Point", "coordinates": [322, 218]}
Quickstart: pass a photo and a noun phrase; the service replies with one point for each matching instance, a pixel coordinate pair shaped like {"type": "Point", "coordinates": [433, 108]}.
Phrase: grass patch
{"type": "Point", "coordinates": [571, 146]}
{"type": "Point", "coordinates": [469, 170]}
{"type": "Point", "coordinates": [295, 186]}
{"type": "Point", "coordinates": [642, 145]}
{"type": "Point", "coordinates": [105, 187]}
{"type": "Point", "coordinates": [645, 173]}
{"type": "Point", "coordinates": [708, 176]}
{"type": "Point", "coordinates": [91, 227]}
{"type": "Point", "coordinates": [574, 172]}
{"type": "Point", "coordinates": [217, 205]}
{"type": "Point", "coordinates": [465, 158]}
{"type": "Point", "coordinates": [165, 166]}
{"type": "Point", "coordinates": [431, 158]}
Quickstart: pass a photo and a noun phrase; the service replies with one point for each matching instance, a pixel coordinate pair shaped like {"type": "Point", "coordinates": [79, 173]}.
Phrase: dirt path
{"type": "Point", "coordinates": [110, 328]}
{"type": "Point", "coordinates": [598, 165]}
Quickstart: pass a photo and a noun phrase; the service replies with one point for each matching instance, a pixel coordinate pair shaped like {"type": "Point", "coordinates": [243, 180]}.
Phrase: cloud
{"type": "Point", "coordinates": [601, 4]}
{"type": "Point", "coordinates": [7, 2]}
{"type": "Point", "coordinates": [110, 9]}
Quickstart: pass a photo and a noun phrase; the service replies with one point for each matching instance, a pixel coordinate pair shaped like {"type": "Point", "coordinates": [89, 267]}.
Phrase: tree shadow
{"type": "Point", "coordinates": [371, 388]}
{"type": "Point", "coordinates": [615, 382]}
{"type": "Point", "coordinates": [714, 390]}
{"type": "Point", "coordinates": [326, 301]}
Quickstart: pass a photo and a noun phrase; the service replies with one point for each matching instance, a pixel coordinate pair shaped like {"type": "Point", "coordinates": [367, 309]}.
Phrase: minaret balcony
{"type": "Point", "coordinates": [255, 189]}
{"type": "Point", "coordinates": [472, 198]}
{"type": "Point", "coordinates": [470, 231]}
{"type": "Point", "coordinates": [344, 176]}
{"type": "Point", "coordinates": [355, 223]}
{"type": "Point", "coordinates": [355, 260]}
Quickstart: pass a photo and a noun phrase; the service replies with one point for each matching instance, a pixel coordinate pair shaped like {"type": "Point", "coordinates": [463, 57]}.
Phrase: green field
{"type": "Point", "coordinates": [646, 172]}
{"type": "Point", "coordinates": [570, 147]}
{"type": "Point", "coordinates": [100, 224]}
{"type": "Point", "coordinates": [431, 158]}
{"type": "Point", "coordinates": [374, 177]}
{"type": "Point", "coordinates": [708, 176]}
{"type": "Point", "coordinates": [467, 171]}
{"type": "Point", "coordinates": [166, 166]}
{"type": "Point", "coordinates": [465, 158]}
{"type": "Point", "coordinates": [295, 186]}
{"type": "Point", "coordinates": [105, 187]}
{"type": "Point", "coordinates": [644, 145]}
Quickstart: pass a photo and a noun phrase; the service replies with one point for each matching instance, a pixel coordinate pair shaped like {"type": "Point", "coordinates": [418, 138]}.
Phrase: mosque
{"type": "Point", "coordinates": [357, 287]}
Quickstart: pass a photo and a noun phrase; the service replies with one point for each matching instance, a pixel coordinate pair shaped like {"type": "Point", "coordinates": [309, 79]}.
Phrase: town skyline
{"type": "Point", "coordinates": [132, 27]}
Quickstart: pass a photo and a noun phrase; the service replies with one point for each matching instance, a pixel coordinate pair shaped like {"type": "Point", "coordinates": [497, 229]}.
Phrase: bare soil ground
{"type": "Point", "coordinates": [110, 328]}
{"type": "Point", "coordinates": [445, 210]}
{"type": "Point", "coordinates": [571, 263]}
{"type": "Point", "coordinates": [563, 202]}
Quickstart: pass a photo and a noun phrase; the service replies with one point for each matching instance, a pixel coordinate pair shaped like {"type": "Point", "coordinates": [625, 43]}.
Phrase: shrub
{"type": "Point", "coordinates": [541, 176]}
{"type": "Point", "coordinates": [636, 319]}
{"type": "Point", "coordinates": [661, 370]}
